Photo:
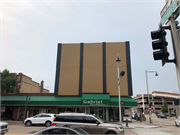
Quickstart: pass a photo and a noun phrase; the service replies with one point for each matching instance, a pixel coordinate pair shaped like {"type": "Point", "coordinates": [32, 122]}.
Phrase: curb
{"type": "Point", "coordinates": [140, 127]}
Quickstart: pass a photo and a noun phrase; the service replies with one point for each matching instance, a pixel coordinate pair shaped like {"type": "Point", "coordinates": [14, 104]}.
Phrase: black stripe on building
{"type": "Point", "coordinates": [130, 93]}
{"type": "Point", "coordinates": [104, 66]}
{"type": "Point", "coordinates": [81, 68]}
{"type": "Point", "coordinates": [58, 63]}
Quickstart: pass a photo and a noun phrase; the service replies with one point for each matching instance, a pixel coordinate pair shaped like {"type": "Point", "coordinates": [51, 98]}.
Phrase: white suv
{"type": "Point", "coordinates": [3, 127]}
{"type": "Point", "coordinates": [43, 118]}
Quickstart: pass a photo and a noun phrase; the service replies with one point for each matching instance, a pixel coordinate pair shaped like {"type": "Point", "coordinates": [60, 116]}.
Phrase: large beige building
{"type": "Point", "coordinates": [87, 74]}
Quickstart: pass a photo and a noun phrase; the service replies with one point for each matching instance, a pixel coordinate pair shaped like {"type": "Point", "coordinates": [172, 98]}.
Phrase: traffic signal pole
{"type": "Point", "coordinates": [175, 45]}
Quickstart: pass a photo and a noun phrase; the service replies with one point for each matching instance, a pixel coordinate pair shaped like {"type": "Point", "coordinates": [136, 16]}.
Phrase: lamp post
{"type": "Point", "coordinates": [26, 106]}
{"type": "Point", "coordinates": [119, 78]}
{"type": "Point", "coordinates": [148, 89]}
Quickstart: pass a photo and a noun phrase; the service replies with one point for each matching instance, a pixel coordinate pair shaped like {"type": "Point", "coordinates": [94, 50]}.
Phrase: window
{"type": "Point", "coordinates": [51, 131]}
{"type": "Point", "coordinates": [90, 120]}
{"type": "Point", "coordinates": [37, 116]}
{"type": "Point", "coordinates": [66, 131]}
{"type": "Point", "coordinates": [79, 119]}
{"type": "Point", "coordinates": [45, 116]}
{"type": "Point", "coordinates": [63, 118]}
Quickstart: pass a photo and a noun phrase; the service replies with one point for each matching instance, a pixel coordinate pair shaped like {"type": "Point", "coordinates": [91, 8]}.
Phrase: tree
{"type": "Point", "coordinates": [164, 107]}
{"type": "Point", "coordinates": [8, 82]}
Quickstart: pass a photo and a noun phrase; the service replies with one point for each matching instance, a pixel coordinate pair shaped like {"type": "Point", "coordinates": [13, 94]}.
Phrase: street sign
{"type": "Point", "coordinates": [149, 108]}
{"type": "Point", "coordinates": [168, 13]}
{"type": "Point", "coordinates": [165, 8]}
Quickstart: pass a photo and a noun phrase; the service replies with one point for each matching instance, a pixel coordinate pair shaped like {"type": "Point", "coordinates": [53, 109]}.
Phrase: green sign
{"type": "Point", "coordinates": [168, 12]}
{"type": "Point", "coordinates": [95, 102]}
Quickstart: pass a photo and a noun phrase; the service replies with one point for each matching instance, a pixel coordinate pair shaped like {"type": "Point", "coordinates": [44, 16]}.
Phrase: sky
{"type": "Point", "coordinates": [31, 30]}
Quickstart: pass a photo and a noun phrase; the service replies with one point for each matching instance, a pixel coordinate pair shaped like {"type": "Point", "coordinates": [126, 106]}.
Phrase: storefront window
{"type": "Point", "coordinates": [114, 114]}
{"type": "Point", "coordinates": [21, 113]}
{"type": "Point", "coordinates": [7, 112]}
{"type": "Point", "coordinates": [81, 109]}
{"type": "Point", "coordinates": [61, 110]}
{"type": "Point", "coordinates": [70, 109]}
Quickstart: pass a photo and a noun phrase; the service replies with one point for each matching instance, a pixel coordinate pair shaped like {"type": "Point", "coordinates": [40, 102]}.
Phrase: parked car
{"type": "Point", "coordinates": [43, 118]}
{"type": "Point", "coordinates": [177, 121]}
{"type": "Point", "coordinates": [90, 123]}
{"type": "Point", "coordinates": [4, 127]}
{"type": "Point", "coordinates": [56, 130]}
{"type": "Point", "coordinates": [161, 115]}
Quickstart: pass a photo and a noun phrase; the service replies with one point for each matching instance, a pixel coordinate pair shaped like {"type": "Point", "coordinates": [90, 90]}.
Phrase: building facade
{"type": "Point", "coordinates": [89, 71]}
{"type": "Point", "coordinates": [25, 84]}
{"type": "Point", "coordinates": [156, 98]}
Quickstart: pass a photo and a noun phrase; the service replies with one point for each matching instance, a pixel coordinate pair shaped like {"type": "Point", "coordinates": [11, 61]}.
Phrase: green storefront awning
{"type": "Point", "coordinates": [127, 102]}
{"type": "Point", "coordinates": [40, 101]}
{"type": "Point", "coordinates": [95, 100]}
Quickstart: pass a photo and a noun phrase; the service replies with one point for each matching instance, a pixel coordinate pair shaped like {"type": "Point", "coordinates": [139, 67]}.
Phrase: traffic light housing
{"type": "Point", "coordinates": [160, 44]}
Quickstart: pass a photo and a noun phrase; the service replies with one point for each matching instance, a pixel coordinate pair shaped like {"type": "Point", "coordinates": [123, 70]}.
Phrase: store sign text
{"type": "Point", "coordinates": [94, 102]}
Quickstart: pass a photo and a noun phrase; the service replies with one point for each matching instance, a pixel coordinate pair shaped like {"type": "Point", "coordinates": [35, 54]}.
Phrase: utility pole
{"type": "Point", "coordinates": [174, 36]}
{"type": "Point", "coordinates": [25, 108]}
{"type": "Point", "coordinates": [175, 44]}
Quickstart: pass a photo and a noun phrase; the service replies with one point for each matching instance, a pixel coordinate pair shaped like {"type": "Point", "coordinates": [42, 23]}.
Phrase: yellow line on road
{"type": "Point", "coordinates": [15, 134]}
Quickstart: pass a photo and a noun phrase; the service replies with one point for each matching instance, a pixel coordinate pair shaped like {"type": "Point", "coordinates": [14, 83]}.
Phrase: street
{"type": "Point", "coordinates": [160, 126]}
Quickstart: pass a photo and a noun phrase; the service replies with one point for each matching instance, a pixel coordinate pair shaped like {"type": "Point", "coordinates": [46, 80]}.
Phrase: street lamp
{"type": "Point", "coordinates": [148, 89]}
{"type": "Point", "coordinates": [119, 78]}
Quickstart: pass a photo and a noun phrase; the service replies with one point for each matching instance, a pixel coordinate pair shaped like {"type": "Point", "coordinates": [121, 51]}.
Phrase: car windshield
{"type": "Point", "coordinates": [37, 116]}
{"type": "Point", "coordinates": [100, 119]}
{"type": "Point", "coordinates": [81, 131]}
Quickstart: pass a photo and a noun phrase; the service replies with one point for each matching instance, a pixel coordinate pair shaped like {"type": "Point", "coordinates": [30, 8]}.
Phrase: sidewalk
{"type": "Point", "coordinates": [138, 124]}
{"type": "Point", "coordinates": [10, 122]}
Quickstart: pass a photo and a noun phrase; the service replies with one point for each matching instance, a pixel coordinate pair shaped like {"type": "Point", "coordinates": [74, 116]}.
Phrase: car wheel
{"type": "Point", "coordinates": [48, 123]}
{"type": "Point", "coordinates": [110, 133]}
{"type": "Point", "coordinates": [28, 123]}
{"type": "Point", "coordinates": [176, 124]}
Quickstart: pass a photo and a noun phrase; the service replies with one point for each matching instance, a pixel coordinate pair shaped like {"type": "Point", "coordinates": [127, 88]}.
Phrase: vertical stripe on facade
{"type": "Point", "coordinates": [129, 69]}
{"type": "Point", "coordinates": [104, 66]}
{"type": "Point", "coordinates": [58, 62]}
{"type": "Point", "coordinates": [81, 68]}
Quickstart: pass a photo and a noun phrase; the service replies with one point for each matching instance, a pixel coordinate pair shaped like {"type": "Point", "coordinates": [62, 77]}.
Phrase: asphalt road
{"type": "Point", "coordinates": [167, 128]}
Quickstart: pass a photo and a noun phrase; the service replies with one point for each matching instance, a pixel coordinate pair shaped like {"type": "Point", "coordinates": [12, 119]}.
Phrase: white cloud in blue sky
{"type": "Point", "coordinates": [32, 29]}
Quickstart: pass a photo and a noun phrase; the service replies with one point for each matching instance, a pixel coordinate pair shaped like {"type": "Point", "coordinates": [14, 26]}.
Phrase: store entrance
{"type": "Point", "coordinates": [98, 111]}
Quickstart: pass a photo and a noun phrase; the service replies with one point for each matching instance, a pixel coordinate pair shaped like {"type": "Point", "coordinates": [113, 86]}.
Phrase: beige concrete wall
{"type": "Point", "coordinates": [69, 70]}
{"type": "Point", "coordinates": [45, 91]}
{"type": "Point", "coordinates": [29, 86]}
{"type": "Point", "coordinates": [111, 68]}
{"type": "Point", "coordinates": [92, 68]}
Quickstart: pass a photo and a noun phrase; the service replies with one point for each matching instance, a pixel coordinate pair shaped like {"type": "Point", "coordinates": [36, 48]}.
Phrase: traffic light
{"type": "Point", "coordinates": [150, 104]}
{"type": "Point", "coordinates": [160, 44]}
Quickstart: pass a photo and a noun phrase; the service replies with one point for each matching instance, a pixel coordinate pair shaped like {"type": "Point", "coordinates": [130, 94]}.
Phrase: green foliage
{"type": "Point", "coordinates": [8, 82]}
{"type": "Point", "coordinates": [164, 107]}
